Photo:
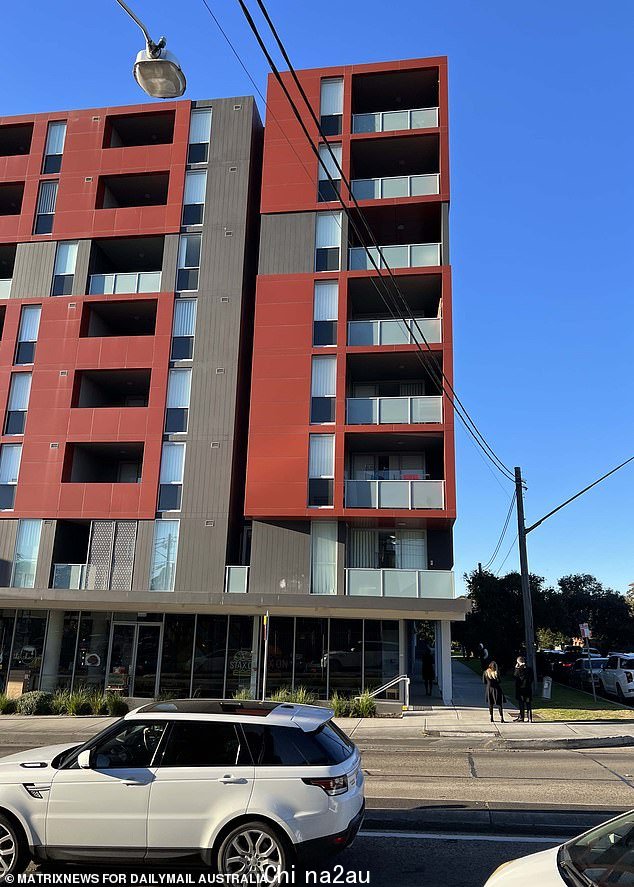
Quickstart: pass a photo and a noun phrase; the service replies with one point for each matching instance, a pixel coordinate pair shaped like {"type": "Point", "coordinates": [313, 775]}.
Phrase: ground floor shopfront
{"type": "Point", "coordinates": [143, 655]}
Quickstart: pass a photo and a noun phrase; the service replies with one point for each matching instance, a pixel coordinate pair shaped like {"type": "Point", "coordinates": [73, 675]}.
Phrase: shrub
{"type": "Point", "coordinates": [7, 706]}
{"type": "Point", "coordinates": [115, 706]}
{"type": "Point", "coordinates": [80, 702]}
{"type": "Point", "coordinates": [304, 696]}
{"type": "Point", "coordinates": [282, 695]}
{"type": "Point", "coordinates": [60, 702]}
{"type": "Point", "coordinates": [243, 694]}
{"type": "Point", "coordinates": [340, 705]}
{"type": "Point", "coordinates": [36, 702]}
{"type": "Point", "coordinates": [363, 706]}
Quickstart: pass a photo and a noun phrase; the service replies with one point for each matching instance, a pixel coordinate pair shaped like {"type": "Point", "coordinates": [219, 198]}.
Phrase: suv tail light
{"type": "Point", "coordinates": [629, 677]}
{"type": "Point", "coordinates": [332, 785]}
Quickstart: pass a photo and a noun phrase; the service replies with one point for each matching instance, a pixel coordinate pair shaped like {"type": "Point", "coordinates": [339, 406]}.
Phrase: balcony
{"type": "Point", "coordinates": [98, 389]}
{"type": "Point", "coordinates": [15, 139]}
{"type": "Point", "coordinates": [127, 282]}
{"type": "Point", "coordinates": [134, 130]}
{"type": "Point", "coordinates": [407, 494]}
{"type": "Point", "coordinates": [400, 583]}
{"type": "Point", "coordinates": [129, 317]}
{"type": "Point", "coordinates": [236, 580]}
{"type": "Point", "coordinates": [74, 576]}
{"type": "Point", "coordinates": [394, 410]}
{"type": "Point", "coordinates": [409, 255]}
{"type": "Point", "coordinates": [128, 190]}
{"type": "Point", "coordinates": [395, 332]}
{"type": "Point", "coordinates": [422, 185]}
{"type": "Point", "coordinates": [393, 121]}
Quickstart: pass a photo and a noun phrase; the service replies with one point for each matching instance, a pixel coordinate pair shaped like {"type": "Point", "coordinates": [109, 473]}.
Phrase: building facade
{"type": "Point", "coordinates": [184, 449]}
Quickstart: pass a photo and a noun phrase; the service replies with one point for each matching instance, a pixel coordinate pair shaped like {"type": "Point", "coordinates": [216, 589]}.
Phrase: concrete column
{"type": "Point", "coordinates": [402, 654]}
{"type": "Point", "coordinates": [50, 659]}
{"type": "Point", "coordinates": [445, 680]}
{"type": "Point", "coordinates": [255, 657]}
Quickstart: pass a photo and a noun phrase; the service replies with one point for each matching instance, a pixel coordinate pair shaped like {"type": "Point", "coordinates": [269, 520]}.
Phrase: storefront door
{"type": "Point", "coordinates": [133, 668]}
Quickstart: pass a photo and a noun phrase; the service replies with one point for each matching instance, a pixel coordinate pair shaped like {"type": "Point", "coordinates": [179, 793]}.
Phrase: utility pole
{"type": "Point", "coordinates": [529, 630]}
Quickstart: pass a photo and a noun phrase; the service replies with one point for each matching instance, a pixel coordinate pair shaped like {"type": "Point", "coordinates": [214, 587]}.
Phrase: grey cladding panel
{"type": "Point", "coordinates": [141, 572]}
{"type": "Point", "coordinates": [45, 555]}
{"type": "Point", "coordinates": [170, 259]}
{"type": "Point", "coordinates": [33, 271]}
{"type": "Point", "coordinates": [201, 555]}
{"type": "Point", "coordinates": [287, 243]}
{"type": "Point", "coordinates": [280, 558]}
{"type": "Point", "coordinates": [81, 284]}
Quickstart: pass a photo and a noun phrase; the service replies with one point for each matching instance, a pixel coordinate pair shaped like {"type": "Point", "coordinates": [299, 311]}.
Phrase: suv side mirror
{"type": "Point", "coordinates": [83, 759]}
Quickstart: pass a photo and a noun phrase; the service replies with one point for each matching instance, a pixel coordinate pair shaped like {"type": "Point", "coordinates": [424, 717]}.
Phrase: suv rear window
{"type": "Point", "coordinates": [202, 744]}
{"type": "Point", "coordinates": [291, 747]}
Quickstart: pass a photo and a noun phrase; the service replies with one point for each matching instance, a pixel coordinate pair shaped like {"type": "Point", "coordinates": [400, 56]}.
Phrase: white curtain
{"type": "Point", "coordinates": [328, 230]}
{"type": "Point", "coordinates": [410, 550]}
{"type": "Point", "coordinates": [172, 461]}
{"type": "Point", "coordinates": [178, 389]}
{"type": "Point", "coordinates": [47, 197]}
{"type": "Point", "coordinates": [200, 126]}
{"type": "Point", "coordinates": [327, 160]}
{"type": "Point", "coordinates": [10, 455]}
{"type": "Point", "coordinates": [184, 317]}
{"type": "Point", "coordinates": [195, 185]}
{"type": "Point", "coordinates": [324, 377]}
{"type": "Point", "coordinates": [362, 548]}
{"type": "Point", "coordinates": [326, 300]}
{"type": "Point", "coordinates": [331, 96]}
{"type": "Point", "coordinates": [321, 458]}
{"type": "Point", "coordinates": [189, 251]}
{"type": "Point", "coordinates": [323, 557]}
{"type": "Point", "coordinates": [30, 323]}
{"type": "Point", "coordinates": [26, 550]}
{"type": "Point", "coordinates": [20, 391]}
{"type": "Point", "coordinates": [66, 257]}
{"type": "Point", "coordinates": [55, 138]}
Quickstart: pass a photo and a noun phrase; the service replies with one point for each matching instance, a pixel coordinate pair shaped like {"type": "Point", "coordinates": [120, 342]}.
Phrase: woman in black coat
{"type": "Point", "coordinates": [493, 690]}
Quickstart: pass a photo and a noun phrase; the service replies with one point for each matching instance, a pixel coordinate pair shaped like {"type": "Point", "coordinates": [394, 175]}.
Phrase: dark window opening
{"type": "Point", "coordinates": [176, 419]}
{"type": "Point", "coordinates": [44, 223]}
{"type": "Point", "coordinates": [11, 194]}
{"type": "Point", "coordinates": [103, 463]}
{"type": "Point", "coordinates": [193, 213]}
{"type": "Point", "coordinates": [331, 124]}
{"type": "Point", "coordinates": [15, 139]}
{"type": "Point", "coordinates": [15, 422]}
{"type": "Point", "coordinates": [7, 496]}
{"type": "Point", "coordinates": [325, 332]}
{"type": "Point", "coordinates": [320, 491]}
{"type": "Point", "coordinates": [119, 318]}
{"type": "Point", "coordinates": [3, 312]}
{"type": "Point", "coordinates": [62, 285]}
{"type": "Point", "coordinates": [25, 352]}
{"type": "Point", "coordinates": [130, 130]}
{"type": "Point", "coordinates": [149, 189]}
{"type": "Point", "coordinates": [198, 152]}
{"type": "Point", "coordinates": [7, 264]}
{"type": "Point", "coordinates": [52, 164]}
{"type": "Point", "coordinates": [328, 190]}
{"type": "Point", "coordinates": [111, 388]}
{"type": "Point", "coordinates": [187, 279]}
{"type": "Point", "coordinates": [322, 409]}
{"type": "Point", "coordinates": [170, 496]}
{"type": "Point", "coordinates": [182, 348]}
{"type": "Point", "coordinates": [327, 258]}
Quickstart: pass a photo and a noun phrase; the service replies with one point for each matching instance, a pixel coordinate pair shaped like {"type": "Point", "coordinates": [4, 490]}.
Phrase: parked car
{"type": "Point", "coordinates": [617, 676]}
{"type": "Point", "coordinates": [245, 787]}
{"type": "Point", "coordinates": [378, 654]}
{"type": "Point", "coordinates": [563, 664]}
{"type": "Point", "coordinates": [585, 671]}
{"type": "Point", "coordinates": [603, 855]}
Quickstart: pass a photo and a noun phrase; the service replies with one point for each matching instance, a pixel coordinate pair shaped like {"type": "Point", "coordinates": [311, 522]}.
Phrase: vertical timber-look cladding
{"type": "Point", "coordinates": [8, 535]}
{"type": "Point", "coordinates": [208, 471]}
{"type": "Point", "coordinates": [33, 271]}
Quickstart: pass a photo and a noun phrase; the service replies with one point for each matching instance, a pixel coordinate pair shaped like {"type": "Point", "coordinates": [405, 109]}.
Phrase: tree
{"type": "Point", "coordinates": [548, 638]}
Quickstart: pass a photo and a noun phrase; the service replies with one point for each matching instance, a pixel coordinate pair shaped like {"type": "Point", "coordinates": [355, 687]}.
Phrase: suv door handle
{"type": "Point", "coordinates": [232, 780]}
{"type": "Point", "coordinates": [133, 782]}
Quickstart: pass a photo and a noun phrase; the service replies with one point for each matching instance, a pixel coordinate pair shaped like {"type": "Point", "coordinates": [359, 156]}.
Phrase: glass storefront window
{"type": "Point", "coordinates": [280, 654]}
{"type": "Point", "coordinates": [26, 657]}
{"type": "Point", "coordinates": [210, 651]}
{"type": "Point", "coordinates": [7, 623]}
{"type": "Point", "coordinates": [176, 664]}
{"type": "Point", "coordinates": [380, 652]}
{"type": "Point", "coordinates": [345, 655]}
{"type": "Point", "coordinates": [59, 655]}
{"type": "Point", "coordinates": [239, 654]}
{"type": "Point", "coordinates": [311, 654]}
{"type": "Point", "coordinates": [92, 650]}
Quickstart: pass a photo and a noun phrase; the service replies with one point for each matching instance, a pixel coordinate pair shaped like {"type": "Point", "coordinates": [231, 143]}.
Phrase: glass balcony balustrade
{"type": "Point", "coordinates": [396, 186]}
{"type": "Point", "coordinates": [74, 576]}
{"type": "Point", "coordinates": [395, 332]}
{"type": "Point", "coordinates": [395, 493]}
{"type": "Point", "coordinates": [391, 121]}
{"type": "Point", "coordinates": [133, 282]}
{"type": "Point", "coordinates": [437, 584]}
{"type": "Point", "coordinates": [408, 255]}
{"type": "Point", "coordinates": [5, 287]}
{"type": "Point", "coordinates": [394, 410]}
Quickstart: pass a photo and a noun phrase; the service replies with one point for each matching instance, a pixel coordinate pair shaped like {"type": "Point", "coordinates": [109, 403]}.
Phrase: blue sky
{"type": "Point", "coordinates": [542, 149]}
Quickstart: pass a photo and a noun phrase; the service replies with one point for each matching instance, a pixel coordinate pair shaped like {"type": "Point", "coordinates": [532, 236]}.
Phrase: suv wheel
{"type": "Point", "coordinates": [14, 855]}
{"type": "Point", "coordinates": [254, 849]}
{"type": "Point", "coordinates": [620, 695]}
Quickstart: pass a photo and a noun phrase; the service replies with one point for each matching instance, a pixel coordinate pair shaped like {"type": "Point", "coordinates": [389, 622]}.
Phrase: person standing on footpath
{"type": "Point", "coordinates": [493, 690]}
{"type": "Point", "coordinates": [524, 689]}
{"type": "Point", "coordinates": [429, 671]}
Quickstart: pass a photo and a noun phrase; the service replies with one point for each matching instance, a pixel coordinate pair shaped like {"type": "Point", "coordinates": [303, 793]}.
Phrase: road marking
{"type": "Point", "coordinates": [442, 836]}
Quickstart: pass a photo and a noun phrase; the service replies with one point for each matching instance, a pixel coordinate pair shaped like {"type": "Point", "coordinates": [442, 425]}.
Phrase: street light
{"type": "Point", "coordinates": [156, 70]}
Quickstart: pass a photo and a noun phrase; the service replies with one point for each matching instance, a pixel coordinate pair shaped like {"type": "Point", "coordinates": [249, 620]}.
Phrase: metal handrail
{"type": "Point", "coordinates": [397, 680]}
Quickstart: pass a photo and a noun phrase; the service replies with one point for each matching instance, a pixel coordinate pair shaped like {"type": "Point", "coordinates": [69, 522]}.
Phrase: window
{"type": "Point", "coordinates": [327, 242]}
{"type": "Point", "coordinates": [55, 138]}
{"type": "Point", "coordinates": [25, 556]}
{"type": "Point", "coordinates": [131, 745]}
{"type": "Point", "coordinates": [292, 747]}
{"type": "Point", "coordinates": [325, 310]}
{"type": "Point", "coordinates": [183, 329]}
{"type": "Point", "coordinates": [203, 744]}
{"type": "Point", "coordinates": [331, 105]}
{"type": "Point", "coordinates": [329, 190]}
{"type": "Point", "coordinates": [323, 389]}
{"type": "Point", "coordinates": [194, 199]}
{"type": "Point", "coordinates": [171, 477]}
{"type": "Point", "coordinates": [63, 275]}
{"type": "Point", "coordinates": [321, 470]}
{"type": "Point", "coordinates": [163, 555]}
{"type": "Point", "coordinates": [27, 336]}
{"type": "Point", "coordinates": [323, 551]}
{"type": "Point", "coordinates": [18, 403]}
{"type": "Point", "coordinates": [10, 455]}
{"type": "Point", "coordinates": [199, 135]}
{"type": "Point", "coordinates": [178, 391]}
{"type": "Point", "coordinates": [45, 213]}
{"type": "Point", "coordinates": [188, 262]}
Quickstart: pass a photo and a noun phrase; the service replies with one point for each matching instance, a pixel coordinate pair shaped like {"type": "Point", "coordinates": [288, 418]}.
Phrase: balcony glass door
{"type": "Point", "coordinates": [133, 669]}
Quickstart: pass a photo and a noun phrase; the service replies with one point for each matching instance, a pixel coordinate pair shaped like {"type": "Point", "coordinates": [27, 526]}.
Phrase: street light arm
{"type": "Point", "coordinates": [576, 496]}
{"type": "Point", "coordinates": [154, 49]}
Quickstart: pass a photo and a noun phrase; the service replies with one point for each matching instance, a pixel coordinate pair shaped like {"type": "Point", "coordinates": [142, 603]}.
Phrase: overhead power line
{"type": "Point", "coordinates": [502, 534]}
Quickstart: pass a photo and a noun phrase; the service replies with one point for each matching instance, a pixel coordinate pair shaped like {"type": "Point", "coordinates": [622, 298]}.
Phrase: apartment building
{"type": "Point", "coordinates": [184, 449]}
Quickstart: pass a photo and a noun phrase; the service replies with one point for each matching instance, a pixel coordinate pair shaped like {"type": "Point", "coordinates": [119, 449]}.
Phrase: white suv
{"type": "Point", "coordinates": [617, 676]}
{"type": "Point", "coordinates": [248, 788]}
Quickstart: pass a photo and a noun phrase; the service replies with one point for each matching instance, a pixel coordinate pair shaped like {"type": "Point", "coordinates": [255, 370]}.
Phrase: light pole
{"type": "Point", "coordinates": [156, 70]}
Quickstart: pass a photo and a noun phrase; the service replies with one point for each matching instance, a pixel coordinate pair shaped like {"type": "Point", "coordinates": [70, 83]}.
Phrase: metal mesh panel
{"type": "Point", "coordinates": [100, 553]}
{"type": "Point", "coordinates": [123, 555]}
